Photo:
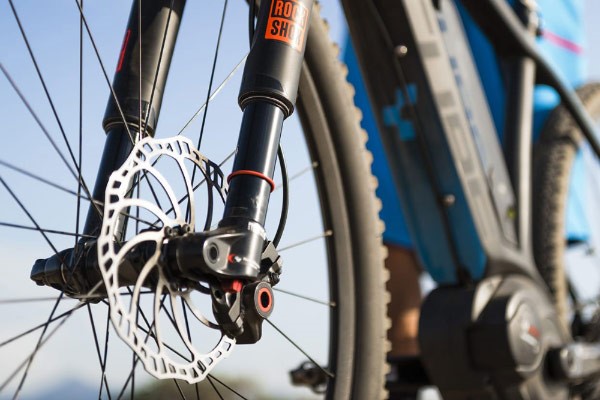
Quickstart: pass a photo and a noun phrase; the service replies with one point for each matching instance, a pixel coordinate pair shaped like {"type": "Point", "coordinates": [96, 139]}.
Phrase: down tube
{"type": "Point", "coordinates": [439, 139]}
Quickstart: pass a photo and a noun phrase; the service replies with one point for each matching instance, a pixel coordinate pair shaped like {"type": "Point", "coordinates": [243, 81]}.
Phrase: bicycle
{"type": "Point", "coordinates": [148, 239]}
{"type": "Point", "coordinates": [477, 334]}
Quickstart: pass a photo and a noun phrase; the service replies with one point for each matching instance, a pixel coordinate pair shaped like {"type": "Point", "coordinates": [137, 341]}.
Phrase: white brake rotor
{"type": "Point", "coordinates": [147, 341]}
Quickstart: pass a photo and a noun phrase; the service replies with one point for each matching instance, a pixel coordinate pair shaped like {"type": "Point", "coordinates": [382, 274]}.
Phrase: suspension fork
{"type": "Point", "coordinates": [267, 97]}
{"type": "Point", "coordinates": [125, 107]}
{"type": "Point", "coordinates": [237, 257]}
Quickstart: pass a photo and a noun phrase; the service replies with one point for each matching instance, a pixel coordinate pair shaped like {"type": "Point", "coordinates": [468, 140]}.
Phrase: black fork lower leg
{"type": "Point", "coordinates": [122, 122]}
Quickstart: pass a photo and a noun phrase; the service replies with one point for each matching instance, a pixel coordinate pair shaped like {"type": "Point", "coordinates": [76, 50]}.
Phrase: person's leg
{"type": "Point", "coordinates": [405, 302]}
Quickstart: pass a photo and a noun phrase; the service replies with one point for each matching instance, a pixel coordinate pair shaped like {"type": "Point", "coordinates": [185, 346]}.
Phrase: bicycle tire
{"type": "Point", "coordinates": [554, 158]}
{"type": "Point", "coordinates": [345, 188]}
{"type": "Point", "coordinates": [347, 146]}
{"type": "Point", "coordinates": [554, 155]}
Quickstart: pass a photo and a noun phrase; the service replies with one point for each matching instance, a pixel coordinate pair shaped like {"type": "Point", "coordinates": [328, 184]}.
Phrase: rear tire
{"type": "Point", "coordinates": [555, 153]}
{"type": "Point", "coordinates": [554, 159]}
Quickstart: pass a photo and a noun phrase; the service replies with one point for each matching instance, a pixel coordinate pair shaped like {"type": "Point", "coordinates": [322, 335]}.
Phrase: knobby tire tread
{"type": "Point", "coordinates": [554, 154]}
{"type": "Point", "coordinates": [324, 73]}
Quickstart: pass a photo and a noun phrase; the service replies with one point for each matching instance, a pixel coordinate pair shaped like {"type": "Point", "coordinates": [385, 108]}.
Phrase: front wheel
{"type": "Point", "coordinates": [332, 252]}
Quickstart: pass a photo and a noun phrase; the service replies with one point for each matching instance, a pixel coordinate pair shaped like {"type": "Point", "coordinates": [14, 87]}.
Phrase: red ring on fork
{"type": "Point", "coordinates": [252, 173]}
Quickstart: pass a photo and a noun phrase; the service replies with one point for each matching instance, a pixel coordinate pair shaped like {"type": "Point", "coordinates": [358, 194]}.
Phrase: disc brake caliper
{"type": "Point", "coordinates": [241, 291]}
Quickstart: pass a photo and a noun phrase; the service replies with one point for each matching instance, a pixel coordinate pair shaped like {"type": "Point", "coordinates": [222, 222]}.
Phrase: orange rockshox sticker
{"type": "Point", "coordinates": [288, 20]}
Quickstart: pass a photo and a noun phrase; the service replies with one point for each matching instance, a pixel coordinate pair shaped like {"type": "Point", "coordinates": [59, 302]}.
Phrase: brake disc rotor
{"type": "Point", "coordinates": [172, 301]}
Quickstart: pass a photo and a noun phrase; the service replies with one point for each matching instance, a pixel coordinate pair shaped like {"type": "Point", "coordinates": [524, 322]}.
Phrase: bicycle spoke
{"type": "Point", "coordinates": [38, 228]}
{"type": "Point", "coordinates": [134, 359]}
{"type": "Point", "coordinates": [326, 372]}
{"type": "Point", "coordinates": [197, 387]}
{"type": "Point", "coordinates": [167, 346]}
{"type": "Point", "coordinates": [33, 228]}
{"type": "Point", "coordinates": [102, 363]}
{"type": "Point", "coordinates": [210, 83]}
{"type": "Point", "coordinates": [179, 389]}
{"type": "Point", "coordinates": [29, 300]}
{"type": "Point", "coordinates": [13, 84]}
{"type": "Point", "coordinates": [129, 378]}
{"type": "Point", "coordinates": [95, 297]}
{"type": "Point", "coordinates": [151, 191]}
{"type": "Point", "coordinates": [105, 358]}
{"type": "Point", "coordinates": [151, 327]}
{"type": "Point", "coordinates": [43, 82]}
{"type": "Point", "coordinates": [37, 347]}
{"type": "Point", "coordinates": [47, 134]}
{"type": "Point", "coordinates": [41, 344]}
{"type": "Point", "coordinates": [326, 303]}
{"type": "Point", "coordinates": [136, 218]}
{"type": "Point", "coordinates": [133, 365]}
{"type": "Point", "coordinates": [137, 209]}
{"type": "Point", "coordinates": [227, 387]}
{"type": "Point", "coordinates": [57, 232]}
{"type": "Point", "coordinates": [212, 76]}
{"type": "Point", "coordinates": [187, 326]}
{"type": "Point", "coordinates": [24, 209]}
{"type": "Point", "coordinates": [149, 334]}
{"type": "Point", "coordinates": [40, 326]}
{"type": "Point", "coordinates": [214, 387]}
{"type": "Point", "coordinates": [301, 242]}
{"type": "Point", "coordinates": [97, 202]}
{"type": "Point", "coordinates": [173, 322]}
{"type": "Point", "coordinates": [214, 94]}
{"type": "Point", "coordinates": [43, 180]}
{"type": "Point", "coordinates": [300, 173]}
